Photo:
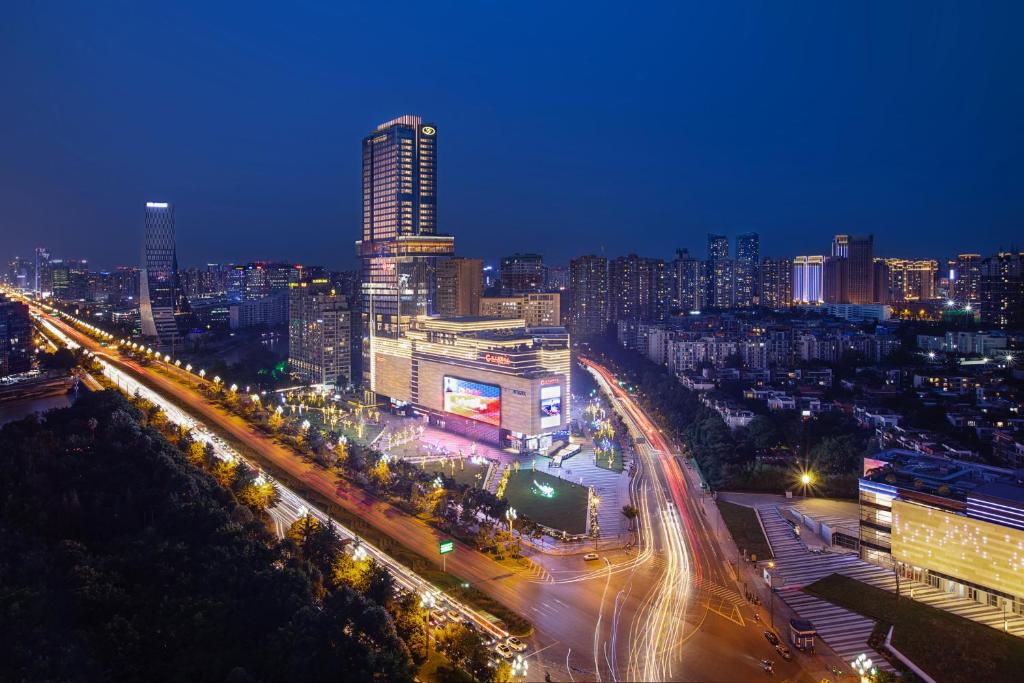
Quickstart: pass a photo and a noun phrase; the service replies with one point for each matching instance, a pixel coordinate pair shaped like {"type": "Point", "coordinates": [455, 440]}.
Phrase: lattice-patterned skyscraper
{"type": "Point", "coordinates": [160, 292]}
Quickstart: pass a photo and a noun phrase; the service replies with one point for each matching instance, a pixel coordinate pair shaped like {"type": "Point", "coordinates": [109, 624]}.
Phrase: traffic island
{"type": "Point", "coordinates": [549, 501]}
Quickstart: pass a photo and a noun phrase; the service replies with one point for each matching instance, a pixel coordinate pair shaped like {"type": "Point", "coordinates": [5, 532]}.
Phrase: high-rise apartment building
{"type": "Point", "coordinates": [15, 337]}
{"type": "Point", "coordinates": [858, 250]}
{"type": "Point", "coordinates": [538, 309]}
{"type": "Point", "coordinates": [835, 280]}
{"type": "Point", "coordinates": [161, 300]}
{"type": "Point", "coordinates": [910, 279]}
{"type": "Point", "coordinates": [688, 282]}
{"type": "Point", "coordinates": [637, 288]}
{"type": "Point", "coordinates": [723, 283]}
{"type": "Point", "coordinates": [748, 255]}
{"type": "Point", "coordinates": [807, 279]}
{"type": "Point", "coordinates": [319, 334]}
{"type": "Point", "coordinates": [521, 273]}
{"type": "Point", "coordinates": [588, 296]}
{"type": "Point", "coordinates": [400, 244]}
{"type": "Point", "coordinates": [967, 278]}
{"type": "Point", "coordinates": [460, 282]}
{"type": "Point", "coordinates": [1002, 289]}
{"type": "Point", "coordinates": [776, 283]}
{"type": "Point", "coordinates": [718, 247]}
{"type": "Point", "coordinates": [558, 279]}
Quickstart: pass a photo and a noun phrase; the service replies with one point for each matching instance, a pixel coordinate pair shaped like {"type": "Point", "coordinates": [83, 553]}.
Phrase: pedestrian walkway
{"type": "Point", "coordinates": [845, 632]}
{"type": "Point", "coordinates": [800, 567]}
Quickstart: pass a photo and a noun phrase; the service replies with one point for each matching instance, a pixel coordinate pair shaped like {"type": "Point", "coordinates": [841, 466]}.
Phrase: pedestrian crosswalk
{"type": "Point", "coordinates": [721, 592]}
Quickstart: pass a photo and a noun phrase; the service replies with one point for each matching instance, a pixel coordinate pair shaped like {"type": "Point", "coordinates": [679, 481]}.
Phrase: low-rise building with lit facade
{"type": "Point", "coordinates": [491, 379]}
{"type": "Point", "coordinates": [957, 526]}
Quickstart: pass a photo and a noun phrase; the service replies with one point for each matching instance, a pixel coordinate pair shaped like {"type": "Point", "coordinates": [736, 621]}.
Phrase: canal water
{"type": "Point", "coordinates": [11, 411]}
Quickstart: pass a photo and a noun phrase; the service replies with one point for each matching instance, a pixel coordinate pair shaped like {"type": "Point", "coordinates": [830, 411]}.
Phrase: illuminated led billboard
{"type": "Point", "coordinates": [550, 407]}
{"type": "Point", "coordinates": [474, 400]}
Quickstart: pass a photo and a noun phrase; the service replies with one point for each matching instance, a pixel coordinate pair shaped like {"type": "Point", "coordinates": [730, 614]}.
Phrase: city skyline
{"type": "Point", "coordinates": [937, 167]}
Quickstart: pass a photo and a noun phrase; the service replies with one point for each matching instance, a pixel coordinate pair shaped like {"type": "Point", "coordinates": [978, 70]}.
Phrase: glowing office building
{"type": "Point", "coordinates": [161, 300]}
{"type": "Point", "coordinates": [400, 245]}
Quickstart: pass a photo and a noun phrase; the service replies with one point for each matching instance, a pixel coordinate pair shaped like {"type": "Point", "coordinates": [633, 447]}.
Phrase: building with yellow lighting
{"type": "Point", "coordinates": [493, 380]}
{"type": "Point", "coordinates": [957, 526]}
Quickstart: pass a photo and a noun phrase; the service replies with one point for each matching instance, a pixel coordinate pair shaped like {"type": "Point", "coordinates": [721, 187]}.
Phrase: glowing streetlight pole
{"type": "Point", "coordinates": [427, 601]}
{"type": "Point", "coordinates": [520, 667]}
{"type": "Point", "coordinates": [511, 516]}
{"type": "Point", "coordinates": [864, 668]}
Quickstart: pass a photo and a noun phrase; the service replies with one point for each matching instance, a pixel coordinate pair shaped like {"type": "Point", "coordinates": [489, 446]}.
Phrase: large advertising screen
{"type": "Point", "coordinates": [474, 400]}
{"type": "Point", "coordinates": [550, 407]}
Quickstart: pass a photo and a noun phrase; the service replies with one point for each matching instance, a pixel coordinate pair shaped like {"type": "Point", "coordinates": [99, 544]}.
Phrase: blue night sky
{"type": "Point", "coordinates": [563, 128]}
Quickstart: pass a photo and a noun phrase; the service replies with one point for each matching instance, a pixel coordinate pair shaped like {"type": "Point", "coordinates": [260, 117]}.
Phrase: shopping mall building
{"type": "Point", "coordinates": [491, 379]}
{"type": "Point", "coordinates": [958, 526]}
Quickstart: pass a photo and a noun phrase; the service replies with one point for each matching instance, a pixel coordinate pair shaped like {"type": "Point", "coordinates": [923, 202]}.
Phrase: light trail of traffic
{"type": "Point", "coordinates": [291, 506]}
{"type": "Point", "coordinates": [658, 631]}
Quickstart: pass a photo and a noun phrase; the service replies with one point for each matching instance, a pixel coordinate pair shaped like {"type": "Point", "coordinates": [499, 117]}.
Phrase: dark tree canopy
{"type": "Point", "coordinates": [121, 560]}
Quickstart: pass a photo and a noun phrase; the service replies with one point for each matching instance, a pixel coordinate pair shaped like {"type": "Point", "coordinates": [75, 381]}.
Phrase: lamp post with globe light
{"type": "Point", "coordinates": [427, 601]}
{"type": "Point", "coordinates": [520, 667]}
{"type": "Point", "coordinates": [864, 667]}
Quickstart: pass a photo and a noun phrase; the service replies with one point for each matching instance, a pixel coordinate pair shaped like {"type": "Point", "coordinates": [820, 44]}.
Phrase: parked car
{"type": "Point", "coordinates": [771, 637]}
{"type": "Point", "coordinates": [784, 652]}
{"type": "Point", "coordinates": [504, 650]}
{"type": "Point", "coordinates": [591, 556]}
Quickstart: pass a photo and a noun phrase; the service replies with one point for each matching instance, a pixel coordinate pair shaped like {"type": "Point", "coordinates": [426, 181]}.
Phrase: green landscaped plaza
{"type": "Point", "coordinates": [609, 460]}
{"type": "Point", "coordinates": [460, 469]}
{"type": "Point", "coordinates": [565, 509]}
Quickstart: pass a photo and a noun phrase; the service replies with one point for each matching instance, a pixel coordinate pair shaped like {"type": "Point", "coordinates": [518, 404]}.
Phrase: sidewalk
{"type": "Point", "coordinates": [749, 579]}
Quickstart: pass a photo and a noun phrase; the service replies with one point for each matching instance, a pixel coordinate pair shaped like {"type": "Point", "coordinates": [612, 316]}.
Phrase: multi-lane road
{"type": "Point", "coordinates": [665, 611]}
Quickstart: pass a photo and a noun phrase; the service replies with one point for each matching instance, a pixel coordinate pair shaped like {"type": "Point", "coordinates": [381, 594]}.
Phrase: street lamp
{"type": "Point", "coordinates": [511, 515]}
{"type": "Point", "coordinates": [520, 667]}
{"type": "Point", "coordinates": [427, 601]}
{"type": "Point", "coordinates": [359, 553]}
{"type": "Point", "coordinates": [202, 373]}
{"type": "Point", "coordinates": [864, 668]}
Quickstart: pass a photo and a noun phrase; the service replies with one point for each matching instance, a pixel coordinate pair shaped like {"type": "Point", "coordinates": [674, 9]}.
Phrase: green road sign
{"type": "Point", "coordinates": [446, 547]}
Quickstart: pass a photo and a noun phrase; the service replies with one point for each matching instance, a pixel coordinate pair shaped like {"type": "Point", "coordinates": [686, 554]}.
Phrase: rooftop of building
{"type": "Point", "coordinates": [946, 477]}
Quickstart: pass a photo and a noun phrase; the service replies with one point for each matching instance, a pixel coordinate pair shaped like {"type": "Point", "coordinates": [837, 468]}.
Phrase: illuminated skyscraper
{"type": "Point", "coordinates": [400, 245]}
{"type": "Point", "coordinates": [160, 292]}
{"type": "Point", "coordinates": [807, 279]}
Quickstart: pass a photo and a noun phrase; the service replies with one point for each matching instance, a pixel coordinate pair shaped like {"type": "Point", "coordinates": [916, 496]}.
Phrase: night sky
{"type": "Point", "coordinates": [622, 127]}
